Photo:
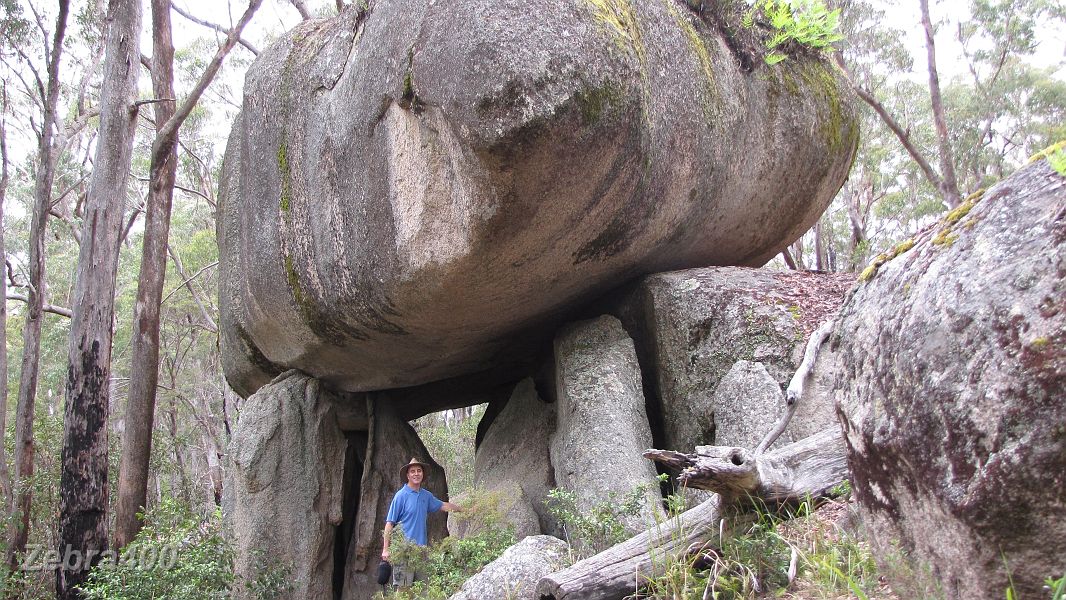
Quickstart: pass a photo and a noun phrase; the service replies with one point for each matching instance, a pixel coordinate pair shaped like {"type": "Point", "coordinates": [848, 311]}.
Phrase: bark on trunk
{"type": "Point", "coordinates": [83, 484]}
{"type": "Point", "coordinates": [810, 467]}
{"type": "Point", "coordinates": [949, 185]}
{"type": "Point", "coordinates": [619, 570]}
{"type": "Point", "coordinates": [144, 368]}
{"type": "Point", "coordinates": [860, 200]}
{"type": "Point", "coordinates": [144, 378]}
{"type": "Point", "coordinates": [5, 475]}
{"type": "Point", "coordinates": [31, 331]}
{"type": "Point", "coordinates": [821, 252]}
{"type": "Point", "coordinates": [789, 261]}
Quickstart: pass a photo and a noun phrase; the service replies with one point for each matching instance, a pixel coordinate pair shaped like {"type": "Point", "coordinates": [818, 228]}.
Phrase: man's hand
{"type": "Point", "coordinates": [450, 507]}
{"type": "Point", "coordinates": [386, 535]}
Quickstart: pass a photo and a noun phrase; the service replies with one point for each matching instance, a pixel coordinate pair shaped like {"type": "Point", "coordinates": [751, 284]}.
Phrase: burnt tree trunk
{"type": "Point", "coordinates": [31, 330]}
{"type": "Point", "coordinates": [83, 486]}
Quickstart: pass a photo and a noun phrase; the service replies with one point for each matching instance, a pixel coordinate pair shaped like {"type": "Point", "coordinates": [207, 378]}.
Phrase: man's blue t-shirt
{"type": "Point", "coordinates": [409, 508]}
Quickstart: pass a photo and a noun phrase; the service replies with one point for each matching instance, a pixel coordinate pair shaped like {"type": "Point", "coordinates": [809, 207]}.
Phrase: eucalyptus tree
{"type": "Point", "coordinates": [144, 373]}
{"type": "Point", "coordinates": [5, 178]}
{"type": "Point", "coordinates": [997, 108]}
{"type": "Point", "coordinates": [44, 89]}
{"type": "Point", "coordinates": [83, 507]}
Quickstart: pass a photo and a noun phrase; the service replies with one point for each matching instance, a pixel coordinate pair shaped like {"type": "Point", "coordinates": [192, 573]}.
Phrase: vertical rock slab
{"type": "Point", "coordinates": [601, 421]}
{"type": "Point", "coordinates": [746, 404]}
{"type": "Point", "coordinates": [392, 444]}
{"type": "Point", "coordinates": [692, 327]}
{"type": "Point", "coordinates": [513, 458]}
{"type": "Point", "coordinates": [953, 395]}
{"type": "Point", "coordinates": [287, 481]}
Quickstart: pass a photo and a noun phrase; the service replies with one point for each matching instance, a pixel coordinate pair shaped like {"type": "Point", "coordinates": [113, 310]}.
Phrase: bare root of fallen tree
{"type": "Point", "coordinates": [810, 467]}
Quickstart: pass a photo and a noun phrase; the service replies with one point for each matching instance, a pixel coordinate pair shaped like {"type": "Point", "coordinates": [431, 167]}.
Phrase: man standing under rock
{"type": "Point", "coordinates": [411, 506]}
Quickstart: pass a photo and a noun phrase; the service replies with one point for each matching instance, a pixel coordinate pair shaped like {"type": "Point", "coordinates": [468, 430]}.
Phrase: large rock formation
{"type": "Point", "coordinates": [287, 453]}
{"type": "Point", "coordinates": [411, 185]}
{"type": "Point", "coordinates": [601, 421]}
{"type": "Point", "coordinates": [700, 331]}
{"type": "Point", "coordinates": [952, 395]}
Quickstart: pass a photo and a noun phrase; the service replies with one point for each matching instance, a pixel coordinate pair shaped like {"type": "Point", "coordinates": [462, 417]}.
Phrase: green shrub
{"type": "Point", "coordinates": [444, 566]}
{"type": "Point", "coordinates": [754, 561]}
{"type": "Point", "coordinates": [201, 567]}
{"type": "Point", "coordinates": [178, 555]}
{"type": "Point", "coordinates": [592, 531]}
{"type": "Point", "coordinates": [1057, 587]}
{"type": "Point", "coordinates": [1058, 161]}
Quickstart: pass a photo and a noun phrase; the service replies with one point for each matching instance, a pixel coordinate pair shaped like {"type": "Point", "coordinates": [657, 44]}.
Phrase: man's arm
{"type": "Point", "coordinates": [388, 534]}
{"type": "Point", "coordinates": [449, 507]}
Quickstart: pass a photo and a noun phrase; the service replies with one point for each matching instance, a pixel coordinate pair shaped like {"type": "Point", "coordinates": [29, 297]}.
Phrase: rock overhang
{"type": "Point", "coordinates": [413, 191]}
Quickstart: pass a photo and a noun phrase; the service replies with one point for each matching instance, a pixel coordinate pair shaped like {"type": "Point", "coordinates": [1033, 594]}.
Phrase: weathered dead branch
{"type": "Point", "coordinates": [809, 467]}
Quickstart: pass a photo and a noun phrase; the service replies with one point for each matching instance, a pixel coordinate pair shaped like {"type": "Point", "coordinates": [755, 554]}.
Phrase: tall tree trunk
{"type": "Point", "coordinates": [144, 371]}
{"type": "Point", "coordinates": [83, 487]}
{"type": "Point", "coordinates": [797, 254]}
{"type": "Point", "coordinates": [821, 254]}
{"type": "Point", "coordinates": [31, 330]}
{"type": "Point", "coordinates": [5, 475]}
{"type": "Point", "coordinates": [949, 185]}
{"type": "Point", "coordinates": [859, 201]}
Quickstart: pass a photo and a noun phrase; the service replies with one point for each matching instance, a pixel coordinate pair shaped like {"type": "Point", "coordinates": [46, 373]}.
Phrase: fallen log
{"type": "Point", "coordinates": [621, 569]}
{"type": "Point", "coordinates": [810, 467]}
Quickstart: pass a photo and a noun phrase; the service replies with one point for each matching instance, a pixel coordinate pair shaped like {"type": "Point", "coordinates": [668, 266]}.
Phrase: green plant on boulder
{"type": "Point", "coordinates": [803, 23]}
{"type": "Point", "coordinates": [1057, 160]}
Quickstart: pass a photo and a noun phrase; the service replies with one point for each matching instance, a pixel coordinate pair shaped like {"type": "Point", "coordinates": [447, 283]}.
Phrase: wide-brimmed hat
{"type": "Point", "coordinates": [414, 461]}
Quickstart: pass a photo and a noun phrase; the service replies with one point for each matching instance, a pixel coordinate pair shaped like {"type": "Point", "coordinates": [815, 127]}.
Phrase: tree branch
{"type": "Point", "coordinates": [167, 133]}
{"type": "Point", "coordinates": [214, 27]}
{"type": "Point", "coordinates": [46, 307]}
{"type": "Point", "coordinates": [902, 135]}
{"type": "Point", "coordinates": [302, 9]}
{"type": "Point", "coordinates": [187, 283]}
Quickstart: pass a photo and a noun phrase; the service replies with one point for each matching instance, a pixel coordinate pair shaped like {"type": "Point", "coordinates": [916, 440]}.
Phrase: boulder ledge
{"type": "Point", "coordinates": [413, 186]}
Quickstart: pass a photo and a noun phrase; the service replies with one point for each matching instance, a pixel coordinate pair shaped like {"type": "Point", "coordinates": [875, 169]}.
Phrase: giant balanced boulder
{"type": "Point", "coordinates": [953, 396]}
{"type": "Point", "coordinates": [412, 186]}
